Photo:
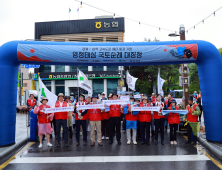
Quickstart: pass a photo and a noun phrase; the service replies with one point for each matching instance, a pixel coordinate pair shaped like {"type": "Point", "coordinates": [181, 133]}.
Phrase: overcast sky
{"type": "Point", "coordinates": [17, 17]}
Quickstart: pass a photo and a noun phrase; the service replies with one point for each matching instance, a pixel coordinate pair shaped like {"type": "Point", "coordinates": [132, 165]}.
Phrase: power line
{"type": "Point", "coordinates": [202, 21]}
{"type": "Point", "coordinates": [114, 14]}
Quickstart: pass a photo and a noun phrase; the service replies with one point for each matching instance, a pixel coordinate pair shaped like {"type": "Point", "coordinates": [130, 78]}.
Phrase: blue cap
{"type": "Point", "coordinates": [94, 96]}
{"type": "Point", "coordinates": [150, 99]}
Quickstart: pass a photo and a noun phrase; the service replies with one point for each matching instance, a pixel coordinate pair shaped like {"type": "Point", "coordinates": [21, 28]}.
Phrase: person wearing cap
{"type": "Point", "coordinates": [105, 122]}
{"type": "Point", "coordinates": [103, 95]}
{"type": "Point", "coordinates": [31, 102]}
{"type": "Point", "coordinates": [174, 120]}
{"type": "Point", "coordinates": [192, 119]}
{"type": "Point", "coordinates": [145, 119]}
{"type": "Point", "coordinates": [95, 117]}
{"type": "Point", "coordinates": [44, 125]}
{"type": "Point", "coordinates": [81, 116]}
{"type": "Point", "coordinates": [159, 120]}
{"type": "Point", "coordinates": [114, 120]}
{"type": "Point", "coordinates": [61, 120]}
{"type": "Point", "coordinates": [69, 119]}
{"type": "Point", "coordinates": [88, 101]}
{"type": "Point", "coordinates": [131, 121]}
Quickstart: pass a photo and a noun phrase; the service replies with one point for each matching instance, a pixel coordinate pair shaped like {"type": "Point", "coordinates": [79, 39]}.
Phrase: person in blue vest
{"type": "Point", "coordinates": [131, 121]}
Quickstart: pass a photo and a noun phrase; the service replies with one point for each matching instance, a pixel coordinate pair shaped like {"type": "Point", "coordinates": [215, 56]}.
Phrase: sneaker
{"type": "Point", "coordinates": [171, 142]}
{"type": "Point", "coordinates": [80, 133]}
{"type": "Point", "coordinates": [49, 145]}
{"type": "Point", "coordinates": [128, 142]}
{"type": "Point", "coordinates": [134, 142]}
{"type": "Point", "coordinates": [175, 142]}
{"type": "Point", "coordinates": [107, 138]}
{"type": "Point", "coordinates": [103, 137]}
{"type": "Point", "coordinates": [40, 145]}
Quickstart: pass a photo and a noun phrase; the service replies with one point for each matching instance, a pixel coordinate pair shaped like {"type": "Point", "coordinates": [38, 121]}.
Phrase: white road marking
{"type": "Point", "coordinates": [103, 159]}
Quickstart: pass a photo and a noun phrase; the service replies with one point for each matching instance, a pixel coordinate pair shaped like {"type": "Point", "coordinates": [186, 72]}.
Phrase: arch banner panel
{"type": "Point", "coordinates": [204, 54]}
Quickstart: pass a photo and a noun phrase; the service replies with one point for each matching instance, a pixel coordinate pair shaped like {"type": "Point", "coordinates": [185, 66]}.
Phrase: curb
{"type": "Point", "coordinates": [211, 148]}
{"type": "Point", "coordinates": [13, 148]}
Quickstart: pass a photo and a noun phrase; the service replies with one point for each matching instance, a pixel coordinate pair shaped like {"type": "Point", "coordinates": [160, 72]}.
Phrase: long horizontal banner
{"type": "Point", "coordinates": [93, 106]}
{"type": "Point", "coordinates": [182, 112]}
{"type": "Point", "coordinates": [59, 109]}
{"type": "Point", "coordinates": [88, 53]}
{"type": "Point", "coordinates": [155, 109]}
{"type": "Point", "coordinates": [109, 102]}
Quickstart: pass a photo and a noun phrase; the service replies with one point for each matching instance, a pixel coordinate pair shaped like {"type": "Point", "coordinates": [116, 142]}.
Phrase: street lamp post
{"type": "Point", "coordinates": [184, 66]}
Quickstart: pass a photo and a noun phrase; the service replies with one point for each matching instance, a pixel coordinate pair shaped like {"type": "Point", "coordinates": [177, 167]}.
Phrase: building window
{"type": "Point", "coordinates": [45, 68]}
{"type": "Point", "coordinates": [74, 90]}
{"type": "Point", "coordinates": [97, 39]}
{"type": "Point", "coordinates": [112, 85]}
{"type": "Point", "coordinates": [24, 84]}
{"type": "Point", "coordinates": [82, 68]}
{"type": "Point", "coordinates": [97, 68]}
{"type": "Point", "coordinates": [59, 68]}
{"type": "Point", "coordinates": [60, 86]}
{"type": "Point", "coordinates": [112, 68]}
{"type": "Point", "coordinates": [111, 39]}
{"type": "Point", "coordinates": [47, 84]}
{"type": "Point", "coordinates": [98, 86]}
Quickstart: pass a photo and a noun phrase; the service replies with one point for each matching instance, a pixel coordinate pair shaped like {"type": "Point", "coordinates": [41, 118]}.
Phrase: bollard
{"type": "Point", "coordinates": [33, 125]}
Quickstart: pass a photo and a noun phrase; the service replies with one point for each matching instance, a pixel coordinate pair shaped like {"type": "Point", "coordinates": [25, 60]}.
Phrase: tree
{"type": "Point", "coordinates": [30, 76]}
{"type": "Point", "coordinates": [220, 50]}
{"type": "Point", "coordinates": [194, 78]}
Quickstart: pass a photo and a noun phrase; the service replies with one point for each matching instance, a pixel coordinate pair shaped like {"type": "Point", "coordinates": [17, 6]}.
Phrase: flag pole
{"type": "Point", "coordinates": [78, 81]}
{"type": "Point", "coordinates": [38, 87]}
{"type": "Point", "coordinates": [126, 81]}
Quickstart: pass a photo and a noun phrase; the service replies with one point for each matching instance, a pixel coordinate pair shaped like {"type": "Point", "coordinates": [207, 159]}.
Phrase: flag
{"type": "Point", "coordinates": [160, 83]}
{"type": "Point", "coordinates": [131, 81]}
{"type": "Point", "coordinates": [44, 92]}
{"type": "Point", "coordinates": [77, 9]}
{"type": "Point", "coordinates": [69, 10]}
{"type": "Point", "coordinates": [82, 81]}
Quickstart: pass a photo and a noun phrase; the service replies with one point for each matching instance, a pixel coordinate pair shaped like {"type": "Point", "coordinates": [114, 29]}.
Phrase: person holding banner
{"type": "Point", "coordinates": [138, 102]}
{"type": "Point", "coordinates": [115, 120]}
{"type": "Point", "coordinates": [69, 119]}
{"type": "Point", "coordinates": [145, 119]}
{"type": "Point", "coordinates": [61, 120]}
{"type": "Point", "coordinates": [44, 125]}
{"type": "Point", "coordinates": [131, 121]}
{"type": "Point", "coordinates": [153, 97]}
{"type": "Point", "coordinates": [81, 116]}
{"type": "Point", "coordinates": [174, 120]}
{"type": "Point", "coordinates": [105, 122]}
{"type": "Point", "coordinates": [168, 101]}
{"type": "Point", "coordinates": [192, 120]}
{"type": "Point", "coordinates": [159, 120]}
{"type": "Point", "coordinates": [95, 117]}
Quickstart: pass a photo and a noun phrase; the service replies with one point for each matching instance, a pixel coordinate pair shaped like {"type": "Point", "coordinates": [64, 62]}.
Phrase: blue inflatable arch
{"type": "Point", "coordinates": [204, 54]}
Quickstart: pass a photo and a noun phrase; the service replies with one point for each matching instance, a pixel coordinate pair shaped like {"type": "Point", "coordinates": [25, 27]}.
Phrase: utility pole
{"type": "Point", "coordinates": [184, 70]}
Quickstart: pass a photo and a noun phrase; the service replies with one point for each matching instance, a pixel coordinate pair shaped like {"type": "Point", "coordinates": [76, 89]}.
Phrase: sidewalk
{"type": "Point", "coordinates": [21, 137]}
{"type": "Point", "coordinates": [215, 148]}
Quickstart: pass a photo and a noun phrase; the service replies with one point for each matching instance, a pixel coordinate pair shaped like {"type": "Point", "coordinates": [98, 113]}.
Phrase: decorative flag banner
{"type": "Point", "coordinates": [182, 112]}
{"type": "Point", "coordinates": [93, 106]}
{"type": "Point", "coordinates": [126, 98]}
{"type": "Point", "coordinates": [131, 81]}
{"type": "Point", "coordinates": [82, 81]}
{"type": "Point", "coordinates": [124, 92]}
{"type": "Point", "coordinates": [160, 83]}
{"type": "Point", "coordinates": [44, 92]}
{"type": "Point", "coordinates": [58, 109]}
{"type": "Point", "coordinates": [137, 96]}
{"type": "Point", "coordinates": [155, 109]}
{"type": "Point", "coordinates": [109, 102]}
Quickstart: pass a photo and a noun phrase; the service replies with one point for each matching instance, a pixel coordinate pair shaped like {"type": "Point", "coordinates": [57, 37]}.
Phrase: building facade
{"type": "Point", "coordinates": [63, 79]}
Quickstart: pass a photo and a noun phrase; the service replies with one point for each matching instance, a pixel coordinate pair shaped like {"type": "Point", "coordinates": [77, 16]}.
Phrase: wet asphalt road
{"type": "Point", "coordinates": [179, 152]}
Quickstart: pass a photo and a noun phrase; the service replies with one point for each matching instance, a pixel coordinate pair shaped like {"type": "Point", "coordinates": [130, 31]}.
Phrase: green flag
{"type": "Point", "coordinates": [69, 10]}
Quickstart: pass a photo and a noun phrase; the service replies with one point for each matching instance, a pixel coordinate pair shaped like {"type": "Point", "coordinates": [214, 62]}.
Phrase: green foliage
{"type": "Point", "coordinates": [220, 50]}
{"type": "Point", "coordinates": [147, 77]}
{"type": "Point", "coordinates": [194, 78]}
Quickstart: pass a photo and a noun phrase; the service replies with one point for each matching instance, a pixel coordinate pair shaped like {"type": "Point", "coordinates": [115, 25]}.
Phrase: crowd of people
{"type": "Point", "coordinates": [106, 123]}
